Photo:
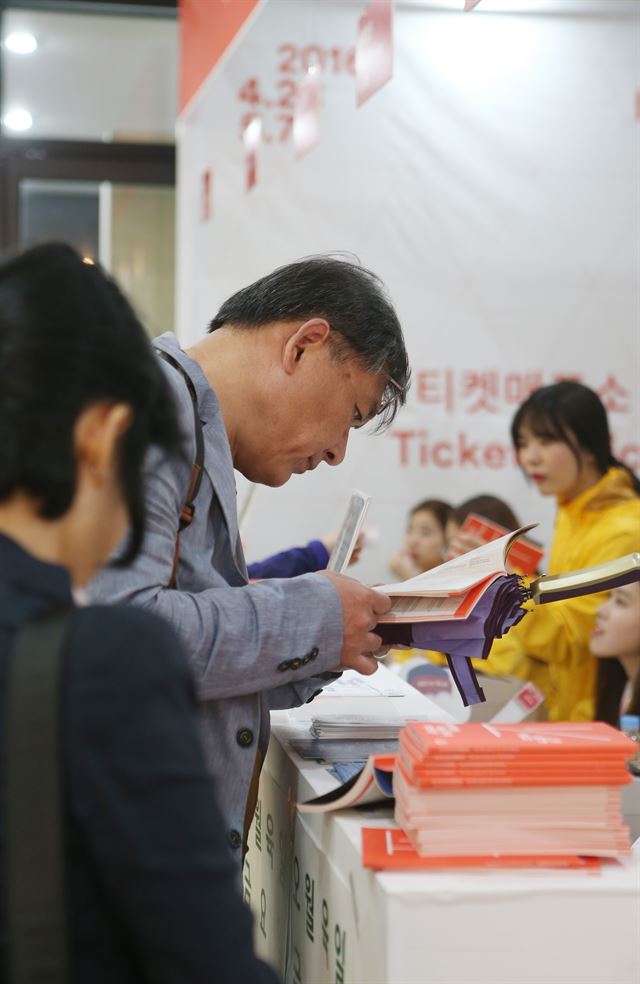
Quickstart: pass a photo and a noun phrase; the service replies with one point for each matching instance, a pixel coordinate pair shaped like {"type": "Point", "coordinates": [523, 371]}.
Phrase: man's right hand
{"type": "Point", "coordinates": [361, 608]}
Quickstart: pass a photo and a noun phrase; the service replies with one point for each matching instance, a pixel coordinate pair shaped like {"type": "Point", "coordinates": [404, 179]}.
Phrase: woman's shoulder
{"type": "Point", "coordinates": [112, 640]}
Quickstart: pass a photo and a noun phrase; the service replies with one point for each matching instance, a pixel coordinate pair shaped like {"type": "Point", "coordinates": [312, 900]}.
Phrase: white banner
{"type": "Point", "coordinates": [492, 184]}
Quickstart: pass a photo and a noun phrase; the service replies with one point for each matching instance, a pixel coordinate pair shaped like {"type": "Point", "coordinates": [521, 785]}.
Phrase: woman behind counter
{"type": "Point", "coordinates": [562, 440]}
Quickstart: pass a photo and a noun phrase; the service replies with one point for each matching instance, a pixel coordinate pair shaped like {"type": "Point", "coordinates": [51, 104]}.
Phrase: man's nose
{"type": "Point", "coordinates": [335, 455]}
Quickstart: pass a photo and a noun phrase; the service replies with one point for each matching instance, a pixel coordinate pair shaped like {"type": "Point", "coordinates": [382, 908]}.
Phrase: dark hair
{"type": "Point", "coordinates": [490, 507]}
{"type": "Point", "coordinates": [351, 299]}
{"type": "Point", "coordinates": [441, 510]}
{"type": "Point", "coordinates": [556, 410]}
{"type": "Point", "coordinates": [611, 680]}
{"type": "Point", "coordinates": [68, 338]}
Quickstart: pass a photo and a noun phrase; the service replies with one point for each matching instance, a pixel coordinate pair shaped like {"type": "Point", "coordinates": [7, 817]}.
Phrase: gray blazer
{"type": "Point", "coordinates": [252, 647]}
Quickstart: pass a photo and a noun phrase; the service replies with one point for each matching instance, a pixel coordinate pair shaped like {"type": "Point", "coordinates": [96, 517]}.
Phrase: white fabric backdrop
{"type": "Point", "coordinates": [492, 184]}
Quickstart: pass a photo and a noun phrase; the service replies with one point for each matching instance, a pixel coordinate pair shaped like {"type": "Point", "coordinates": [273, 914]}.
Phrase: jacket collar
{"type": "Point", "coordinates": [29, 585]}
{"type": "Point", "coordinates": [218, 463]}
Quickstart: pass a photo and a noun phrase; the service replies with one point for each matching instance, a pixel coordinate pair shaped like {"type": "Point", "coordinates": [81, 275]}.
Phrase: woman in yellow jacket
{"type": "Point", "coordinates": [561, 435]}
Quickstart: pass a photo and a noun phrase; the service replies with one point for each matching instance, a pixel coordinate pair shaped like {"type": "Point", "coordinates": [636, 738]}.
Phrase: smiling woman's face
{"type": "Point", "coordinates": [617, 628]}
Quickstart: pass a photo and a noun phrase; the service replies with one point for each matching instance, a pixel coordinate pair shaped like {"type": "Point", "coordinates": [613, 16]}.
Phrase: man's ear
{"type": "Point", "coordinates": [97, 432]}
{"type": "Point", "coordinates": [313, 334]}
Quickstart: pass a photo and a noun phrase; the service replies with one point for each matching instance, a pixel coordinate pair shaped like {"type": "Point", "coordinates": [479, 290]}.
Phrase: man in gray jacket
{"type": "Point", "coordinates": [289, 365]}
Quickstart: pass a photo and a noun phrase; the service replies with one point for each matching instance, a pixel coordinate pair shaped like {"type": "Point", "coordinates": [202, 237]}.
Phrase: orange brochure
{"type": "Point", "coordinates": [524, 555]}
{"type": "Point", "coordinates": [389, 849]}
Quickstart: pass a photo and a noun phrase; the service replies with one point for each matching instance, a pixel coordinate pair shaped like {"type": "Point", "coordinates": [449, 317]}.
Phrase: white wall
{"type": "Point", "coordinates": [492, 184]}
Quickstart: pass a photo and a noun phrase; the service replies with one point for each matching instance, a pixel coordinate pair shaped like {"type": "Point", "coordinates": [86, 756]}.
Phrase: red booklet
{"type": "Point", "coordinates": [547, 739]}
{"type": "Point", "coordinates": [388, 848]}
{"type": "Point", "coordinates": [524, 555]}
{"type": "Point", "coordinates": [534, 754]}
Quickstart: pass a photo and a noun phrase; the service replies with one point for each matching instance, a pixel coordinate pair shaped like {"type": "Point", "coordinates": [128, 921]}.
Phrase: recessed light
{"type": "Point", "coordinates": [17, 119]}
{"type": "Point", "coordinates": [20, 42]}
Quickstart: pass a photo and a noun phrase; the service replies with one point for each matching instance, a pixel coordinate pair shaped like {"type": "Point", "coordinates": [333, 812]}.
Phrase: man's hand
{"type": "Point", "coordinates": [361, 607]}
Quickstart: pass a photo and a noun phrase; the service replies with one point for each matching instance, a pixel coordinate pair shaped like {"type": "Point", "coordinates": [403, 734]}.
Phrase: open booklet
{"type": "Point", "coordinates": [460, 607]}
{"type": "Point", "coordinates": [371, 784]}
{"type": "Point", "coordinates": [453, 589]}
{"type": "Point", "coordinates": [524, 555]}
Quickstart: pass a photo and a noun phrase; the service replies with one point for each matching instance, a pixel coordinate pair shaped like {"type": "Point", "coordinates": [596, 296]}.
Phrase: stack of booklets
{"type": "Point", "coordinates": [358, 726]}
{"type": "Point", "coordinates": [474, 790]}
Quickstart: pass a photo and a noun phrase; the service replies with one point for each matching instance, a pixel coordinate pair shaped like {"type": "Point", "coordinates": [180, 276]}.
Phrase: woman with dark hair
{"type": "Point", "coordinates": [142, 886]}
{"type": "Point", "coordinates": [615, 641]}
{"type": "Point", "coordinates": [561, 436]}
{"type": "Point", "coordinates": [488, 507]}
{"type": "Point", "coordinates": [424, 543]}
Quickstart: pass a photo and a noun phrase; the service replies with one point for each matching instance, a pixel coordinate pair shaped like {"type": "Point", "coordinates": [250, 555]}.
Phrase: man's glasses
{"type": "Point", "coordinates": [397, 392]}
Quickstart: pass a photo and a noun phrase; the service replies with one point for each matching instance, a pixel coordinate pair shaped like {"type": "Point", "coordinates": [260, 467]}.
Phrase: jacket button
{"type": "Point", "coordinates": [283, 666]}
{"type": "Point", "coordinates": [314, 652]}
{"type": "Point", "coordinates": [234, 838]}
{"type": "Point", "coordinates": [244, 737]}
{"type": "Point", "coordinates": [296, 663]}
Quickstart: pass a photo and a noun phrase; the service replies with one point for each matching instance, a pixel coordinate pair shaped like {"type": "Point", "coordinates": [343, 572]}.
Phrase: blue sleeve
{"type": "Point", "coordinates": [145, 803]}
{"type": "Point", "coordinates": [291, 563]}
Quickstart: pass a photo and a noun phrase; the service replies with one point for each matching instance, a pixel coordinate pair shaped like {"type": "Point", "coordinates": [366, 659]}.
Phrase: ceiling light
{"type": "Point", "coordinates": [20, 42]}
{"type": "Point", "coordinates": [17, 119]}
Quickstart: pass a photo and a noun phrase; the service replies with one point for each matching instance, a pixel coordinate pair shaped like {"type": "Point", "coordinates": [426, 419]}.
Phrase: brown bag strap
{"type": "Point", "coordinates": [189, 507]}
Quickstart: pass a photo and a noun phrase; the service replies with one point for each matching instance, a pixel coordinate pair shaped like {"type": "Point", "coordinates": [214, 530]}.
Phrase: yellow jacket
{"type": "Point", "coordinates": [550, 646]}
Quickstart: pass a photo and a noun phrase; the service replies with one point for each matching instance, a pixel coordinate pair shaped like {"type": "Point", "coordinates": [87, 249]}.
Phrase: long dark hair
{"type": "Point", "coordinates": [572, 413]}
{"type": "Point", "coordinates": [611, 681]}
{"type": "Point", "coordinates": [488, 506]}
{"type": "Point", "coordinates": [69, 338]}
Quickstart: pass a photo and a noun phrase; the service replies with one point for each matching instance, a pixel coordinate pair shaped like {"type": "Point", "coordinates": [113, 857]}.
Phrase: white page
{"type": "Point", "coordinates": [463, 572]}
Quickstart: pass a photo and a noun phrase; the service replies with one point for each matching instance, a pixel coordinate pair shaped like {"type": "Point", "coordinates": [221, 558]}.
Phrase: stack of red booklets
{"type": "Point", "coordinates": [470, 790]}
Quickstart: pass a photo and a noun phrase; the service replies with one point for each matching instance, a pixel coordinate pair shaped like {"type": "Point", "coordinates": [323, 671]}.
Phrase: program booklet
{"type": "Point", "coordinates": [453, 589]}
{"type": "Point", "coordinates": [371, 784]}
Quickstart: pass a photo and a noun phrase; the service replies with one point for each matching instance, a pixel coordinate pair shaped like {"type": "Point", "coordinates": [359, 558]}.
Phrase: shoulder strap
{"type": "Point", "coordinates": [189, 507]}
{"type": "Point", "coordinates": [36, 903]}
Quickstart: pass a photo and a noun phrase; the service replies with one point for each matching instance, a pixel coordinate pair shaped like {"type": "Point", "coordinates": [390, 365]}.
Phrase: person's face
{"type": "Point", "coordinates": [425, 541]}
{"type": "Point", "coordinates": [551, 464]}
{"type": "Point", "coordinates": [450, 530]}
{"type": "Point", "coordinates": [617, 628]}
{"type": "Point", "coordinates": [310, 419]}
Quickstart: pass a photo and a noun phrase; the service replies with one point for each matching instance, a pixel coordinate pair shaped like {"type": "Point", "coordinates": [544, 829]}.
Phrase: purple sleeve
{"type": "Point", "coordinates": [291, 563]}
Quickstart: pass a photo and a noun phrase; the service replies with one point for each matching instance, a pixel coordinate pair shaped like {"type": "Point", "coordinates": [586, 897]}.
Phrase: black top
{"type": "Point", "coordinates": [152, 888]}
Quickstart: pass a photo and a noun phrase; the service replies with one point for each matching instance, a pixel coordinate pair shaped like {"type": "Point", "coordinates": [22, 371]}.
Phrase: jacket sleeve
{"type": "Point", "coordinates": [291, 563]}
{"type": "Point", "coordinates": [239, 639]}
{"type": "Point", "coordinates": [145, 805]}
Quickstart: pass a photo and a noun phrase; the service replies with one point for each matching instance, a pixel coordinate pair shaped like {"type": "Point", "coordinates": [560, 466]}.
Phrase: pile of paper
{"type": "Point", "coordinates": [339, 726]}
{"type": "Point", "coordinates": [514, 789]}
